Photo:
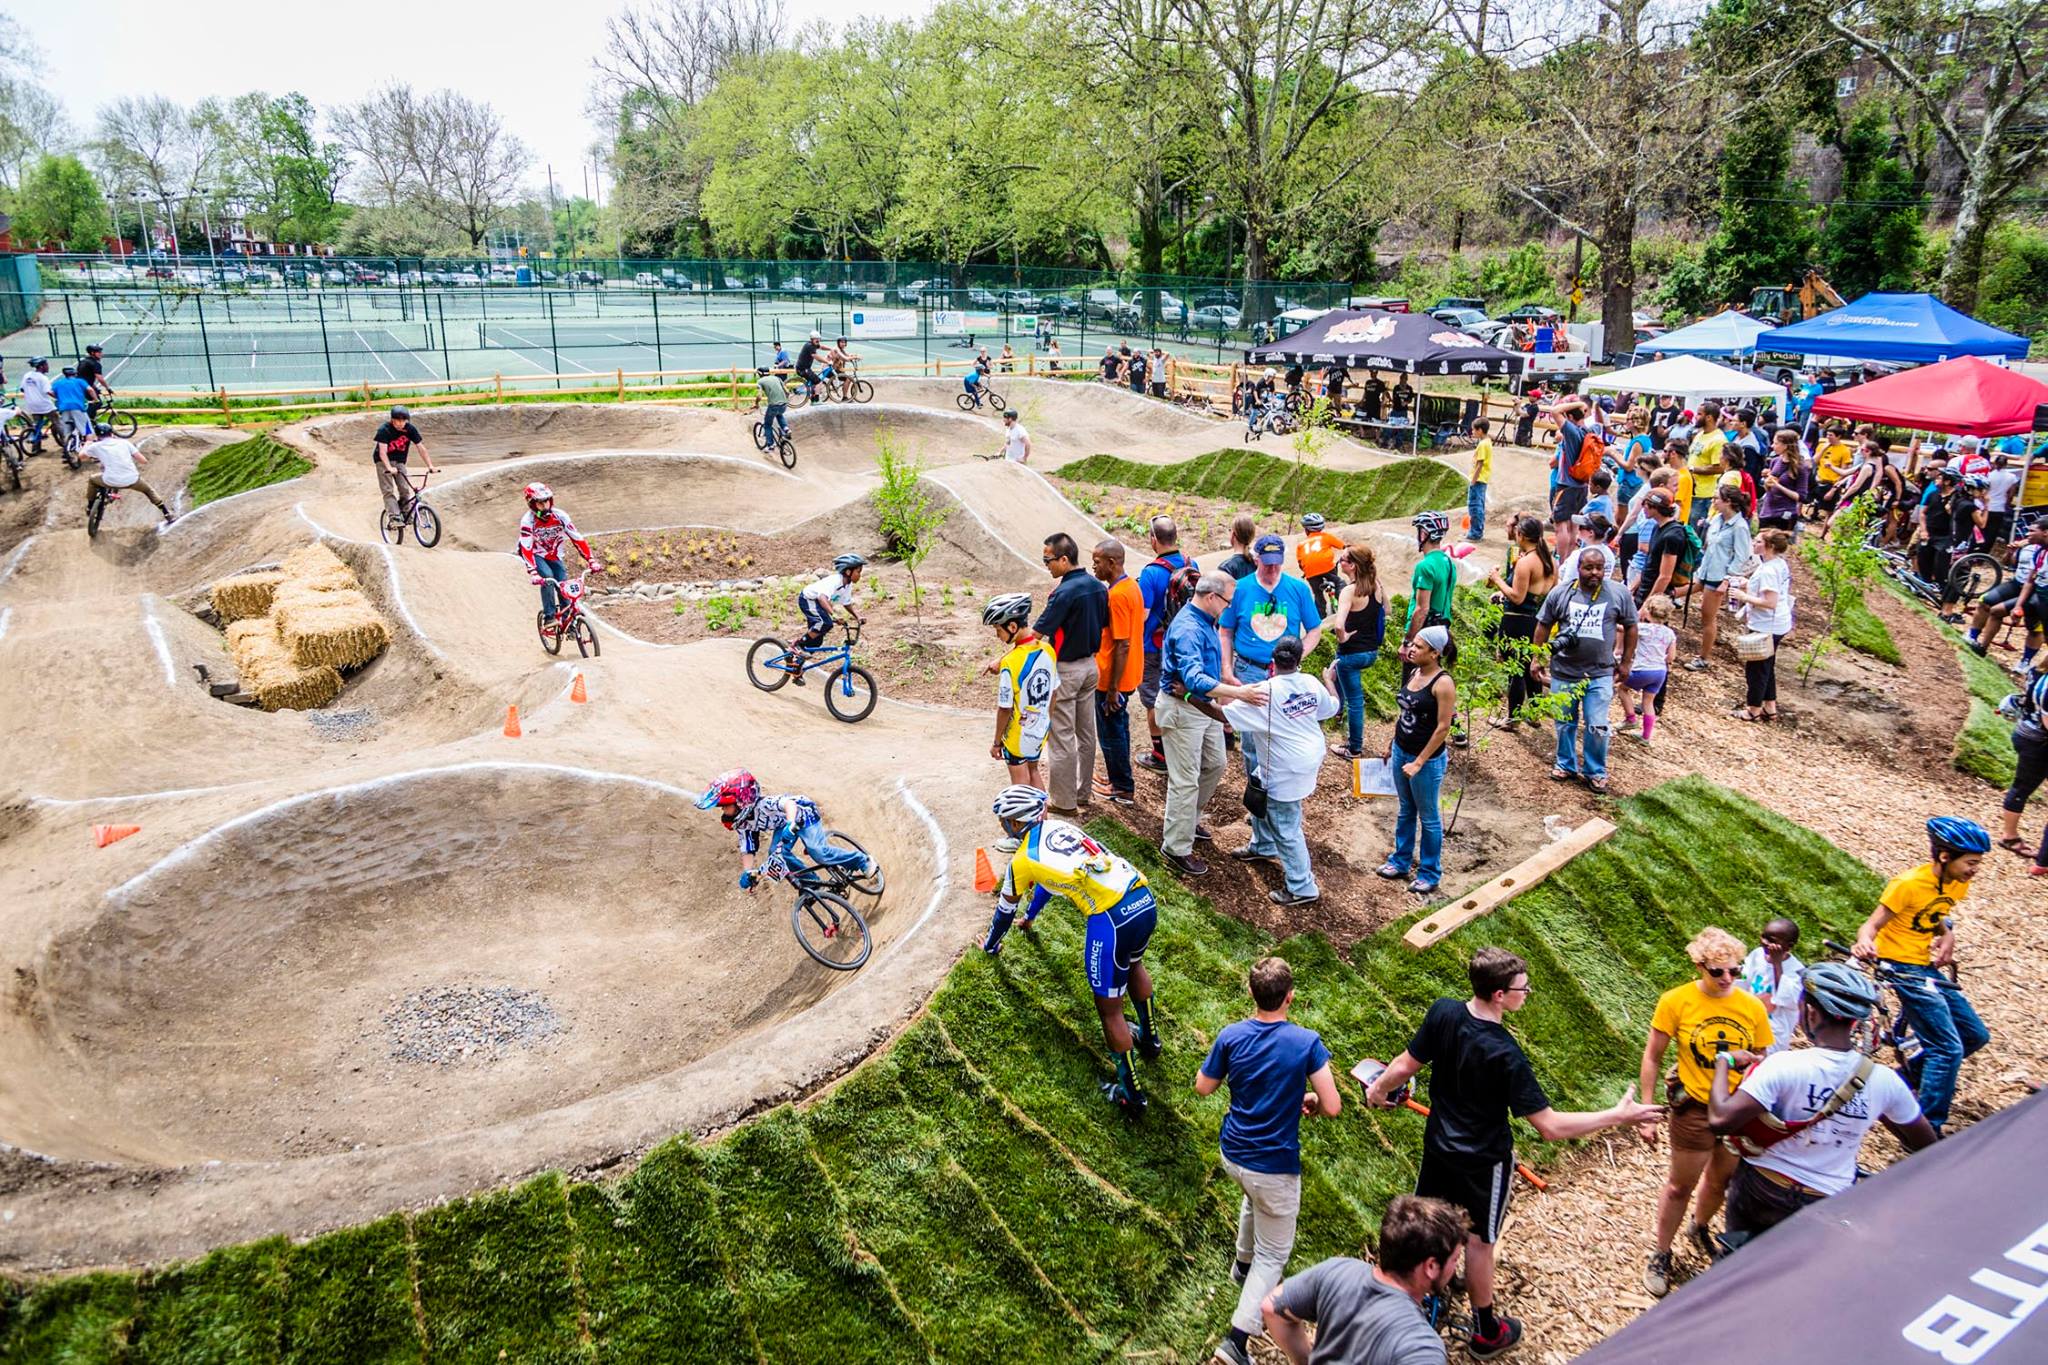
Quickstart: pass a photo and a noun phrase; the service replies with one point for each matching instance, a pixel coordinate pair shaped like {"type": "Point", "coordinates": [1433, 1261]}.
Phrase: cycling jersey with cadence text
{"type": "Point", "coordinates": [1057, 857]}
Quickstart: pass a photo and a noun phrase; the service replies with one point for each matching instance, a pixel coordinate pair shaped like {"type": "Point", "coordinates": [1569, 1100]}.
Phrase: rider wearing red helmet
{"type": "Point", "coordinates": [736, 795]}
{"type": "Point", "coordinates": [542, 533]}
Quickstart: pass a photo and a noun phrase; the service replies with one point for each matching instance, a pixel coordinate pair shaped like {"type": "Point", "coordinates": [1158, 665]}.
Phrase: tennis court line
{"type": "Point", "coordinates": [129, 355]}
{"type": "Point", "coordinates": [374, 356]}
{"type": "Point", "coordinates": [555, 351]}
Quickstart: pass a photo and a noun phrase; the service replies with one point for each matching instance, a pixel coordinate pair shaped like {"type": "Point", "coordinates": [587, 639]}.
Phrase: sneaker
{"type": "Point", "coordinates": [1287, 901]}
{"type": "Point", "coordinates": [1248, 854]}
{"type": "Point", "coordinates": [1500, 1343]}
{"type": "Point", "coordinates": [1696, 665]}
{"type": "Point", "coordinates": [1980, 648]}
{"type": "Point", "coordinates": [797, 677]}
{"type": "Point", "coordinates": [1123, 798]}
{"type": "Point", "coordinates": [1148, 1045]}
{"type": "Point", "coordinates": [1419, 887]}
{"type": "Point", "coordinates": [1240, 1271]}
{"type": "Point", "coordinates": [1703, 1238]}
{"type": "Point", "coordinates": [1063, 812]}
{"type": "Point", "coordinates": [1123, 1097]}
{"type": "Point", "coordinates": [1203, 834]}
{"type": "Point", "coordinates": [1657, 1275]}
{"type": "Point", "coordinates": [1390, 870]}
{"type": "Point", "coordinates": [1230, 1353]}
{"type": "Point", "coordinates": [1153, 763]}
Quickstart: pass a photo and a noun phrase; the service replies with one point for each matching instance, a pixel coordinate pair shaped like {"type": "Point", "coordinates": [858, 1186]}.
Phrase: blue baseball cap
{"type": "Point", "coordinates": [1270, 549]}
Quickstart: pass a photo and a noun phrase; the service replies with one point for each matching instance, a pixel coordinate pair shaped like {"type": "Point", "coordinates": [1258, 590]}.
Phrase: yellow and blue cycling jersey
{"type": "Point", "coordinates": [1057, 857]}
{"type": "Point", "coordinates": [1025, 681]}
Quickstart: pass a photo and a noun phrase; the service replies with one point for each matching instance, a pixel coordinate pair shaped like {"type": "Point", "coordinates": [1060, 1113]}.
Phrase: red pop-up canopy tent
{"type": "Point", "coordinates": [1965, 396]}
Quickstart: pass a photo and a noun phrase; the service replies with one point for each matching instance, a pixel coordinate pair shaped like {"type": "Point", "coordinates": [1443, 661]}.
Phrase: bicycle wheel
{"type": "Point", "coordinates": [550, 640]}
{"type": "Point", "coordinates": [995, 400]}
{"type": "Point", "coordinates": [768, 663]}
{"type": "Point", "coordinates": [586, 636]}
{"type": "Point", "coordinates": [426, 525]}
{"type": "Point", "coordinates": [14, 472]}
{"type": "Point", "coordinates": [830, 929]}
{"type": "Point", "coordinates": [760, 437]}
{"type": "Point", "coordinates": [391, 526]}
{"type": "Point", "coordinates": [799, 394]}
{"type": "Point", "coordinates": [1973, 576]}
{"type": "Point", "coordinates": [850, 693]}
{"type": "Point", "coordinates": [123, 423]}
{"type": "Point", "coordinates": [18, 428]}
{"type": "Point", "coordinates": [873, 882]}
{"type": "Point", "coordinates": [94, 510]}
{"type": "Point", "coordinates": [966, 402]}
{"type": "Point", "coordinates": [786, 448]}
{"type": "Point", "coordinates": [860, 391]}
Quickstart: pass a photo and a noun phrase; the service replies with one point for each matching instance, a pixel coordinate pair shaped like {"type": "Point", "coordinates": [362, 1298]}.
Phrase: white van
{"type": "Point", "coordinates": [646, 280]}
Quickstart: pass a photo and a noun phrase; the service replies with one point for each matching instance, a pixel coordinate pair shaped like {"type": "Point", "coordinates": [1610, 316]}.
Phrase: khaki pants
{"type": "Point", "coordinates": [395, 487]}
{"type": "Point", "coordinates": [1070, 748]}
{"type": "Point", "coordinates": [1265, 1237]}
{"type": "Point", "coordinates": [1194, 765]}
{"type": "Point", "coordinates": [95, 482]}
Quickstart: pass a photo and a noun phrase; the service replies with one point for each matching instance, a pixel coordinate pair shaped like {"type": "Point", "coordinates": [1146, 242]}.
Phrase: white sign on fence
{"type": "Point", "coordinates": [884, 322]}
{"type": "Point", "coordinates": [947, 322]}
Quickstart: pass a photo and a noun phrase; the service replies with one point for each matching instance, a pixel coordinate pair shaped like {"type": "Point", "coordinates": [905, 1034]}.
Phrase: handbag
{"type": "Point", "coordinates": [1754, 646]}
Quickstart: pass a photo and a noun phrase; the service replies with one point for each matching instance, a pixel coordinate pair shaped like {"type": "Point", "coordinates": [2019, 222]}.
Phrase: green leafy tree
{"type": "Point", "coordinates": [287, 178]}
{"type": "Point", "coordinates": [60, 202]}
{"type": "Point", "coordinates": [910, 519]}
{"type": "Point", "coordinates": [1872, 239]}
{"type": "Point", "coordinates": [1846, 569]}
{"type": "Point", "coordinates": [1311, 439]}
{"type": "Point", "coordinates": [1766, 228]}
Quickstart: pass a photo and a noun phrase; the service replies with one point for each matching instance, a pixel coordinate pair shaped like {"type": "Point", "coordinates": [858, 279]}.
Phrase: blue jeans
{"type": "Point", "coordinates": [1113, 737]}
{"type": "Point", "coordinates": [551, 571]}
{"type": "Point", "coordinates": [1949, 1031]}
{"type": "Point", "coordinates": [813, 833]}
{"type": "Point", "coordinates": [1475, 506]}
{"type": "Point", "coordinates": [1249, 673]}
{"type": "Point", "coordinates": [1350, 670]}
{"type": "Point", "coordinates": [35, 428]}
{"type": "Point", "coordinates": [1591, 711]}
{"type": "Point", "coordinates": [1277, 834]}
{"type": "Point", "coordinates": [774, 424]}
{"type": "Point", "coordinates": [1421, 798]}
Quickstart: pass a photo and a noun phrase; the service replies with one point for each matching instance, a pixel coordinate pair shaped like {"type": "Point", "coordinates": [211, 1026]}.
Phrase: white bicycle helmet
{"type": "Point", "coordinates": [1839, 990]}
{"type": "Point", "coordinates": [1431, 525]}
{"type": "Point", "coordinates": [537, 493]}
{"type": "Point", "coordinates": [1005, 608]}
{"type": "Point", "coordinates": [1312, 521]}
{"type": "Point", "coordinates": [1020, 804]}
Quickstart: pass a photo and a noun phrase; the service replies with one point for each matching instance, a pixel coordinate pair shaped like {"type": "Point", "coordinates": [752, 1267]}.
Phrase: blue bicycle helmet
{"type": "Point", "coordinates": [1958, 835]}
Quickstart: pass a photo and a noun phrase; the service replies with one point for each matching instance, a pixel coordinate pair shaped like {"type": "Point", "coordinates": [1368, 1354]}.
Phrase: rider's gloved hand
{"type": "Point", "coordinates": [746, 881]}
{"type": "Point", "coordinates": [534, 579]}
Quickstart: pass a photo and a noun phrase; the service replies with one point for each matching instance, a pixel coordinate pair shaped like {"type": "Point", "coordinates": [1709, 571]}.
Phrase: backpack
{"type": "Point", "coordinates": [1689, 559]}
{"type": "Point", "coordinates": [1180, 590]}
{"type": "Point", "coordinates": [1592, 450]}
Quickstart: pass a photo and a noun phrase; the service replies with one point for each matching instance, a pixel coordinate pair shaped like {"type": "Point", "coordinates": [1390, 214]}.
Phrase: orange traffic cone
{"type": "Point", "coordinates": [102, 835]}
{"type": "Point", "coordinates": [1465, 522]}
{"type": "Point", "coordinates": [576, 691]}
{"type": "Point", "coordinates": [511, 722]}
{"type": "Point", "coordinates": [984, 875]}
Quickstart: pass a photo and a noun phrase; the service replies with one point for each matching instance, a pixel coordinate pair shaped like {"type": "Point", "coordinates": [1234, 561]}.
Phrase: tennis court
{"type": "Point", "coordinates": [188, 339]}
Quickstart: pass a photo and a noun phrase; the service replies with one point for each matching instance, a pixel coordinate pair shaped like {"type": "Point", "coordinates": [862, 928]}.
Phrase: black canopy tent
{"type": "Point", "coordinates": [1942, 1258]}
{"type": "Point", "coordinates": [1374, 339]}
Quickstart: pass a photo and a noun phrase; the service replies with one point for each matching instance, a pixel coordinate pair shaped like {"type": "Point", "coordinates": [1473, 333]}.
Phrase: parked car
{"type": "Point", "coordinates": [1531, 312]}
{"type": "Point", "coordinates": [1476, 305]}
{"type": "Point", "coordinates": [363, 275]}
{"type": "Point", "coordinates": [1389, 303]}
{"type": "Point", "coordinates": [914, 291]}
{"type": "Point", "coordinates": [796, 284]}
{"type": "Point", "coordinates": [857, 292]}
{"type": "Point", "coordinates": [256, 274]}
{"type": "Point", "coordinates": [1216, 317]}
{"type": "Point", "coordinates": [1017, 301]}
{"type": "Point", "coordinates": [1109, 305]}
{"type": "Point", "coordinates": [977, 297]}
{"type": "Point", "coordinates": [1472, 322]}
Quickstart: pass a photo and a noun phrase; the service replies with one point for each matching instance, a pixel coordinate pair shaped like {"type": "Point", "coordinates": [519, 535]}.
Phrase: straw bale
{"type": "Point", "coordinates": [337, 628]}
{"type": "Point", "coordinates": [244, 595]}
{"type": "Point", "coordinates": [269, 675]}
{"type": "Point", "coordinates": [317, 566]}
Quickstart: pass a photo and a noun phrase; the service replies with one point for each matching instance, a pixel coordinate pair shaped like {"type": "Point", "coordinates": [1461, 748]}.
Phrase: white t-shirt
{"type": "Point", "coordinates": [1014, 441]}
{"type": "Point", "coordinates": [832, 588]}
{"type": "Point", "coordinates": [36, 397]}
{"type": "Point", "coordinates": [1795, 1084]}
{"type": "Point", "coordinates": [2026, 564]}
{"type": "Point", "coordinates": [1998, 491]}
{"type": "Point", "coordinates": [1653, 647]}
{"type": "Point", "coordinates": [1783, 1004]}
{"type": "Point", "coordinates": [1288, 732]}
{"type": "Point", "coordinates": [1773, 575]}
{"type": "Point", "coordinates": [117, 461]}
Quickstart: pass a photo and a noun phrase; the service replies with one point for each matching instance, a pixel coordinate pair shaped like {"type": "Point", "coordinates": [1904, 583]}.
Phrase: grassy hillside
{"type": "Point", "coordinates": [1256, 480]}
{"type": "Point", "coordinates": [243, 465]}
{"type": "Point", "coordinates": [966, 1195]}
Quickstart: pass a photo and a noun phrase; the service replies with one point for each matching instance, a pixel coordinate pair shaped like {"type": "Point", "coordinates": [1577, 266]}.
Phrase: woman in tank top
{"type": "Point", "coordinates": [1531, 574]}
{"type": "Point", "coordinates": [1428, 699]}
{"type": "Point", "coordinates": [1360, 625]}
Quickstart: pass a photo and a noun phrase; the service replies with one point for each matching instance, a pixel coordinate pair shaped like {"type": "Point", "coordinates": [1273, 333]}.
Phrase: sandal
{"type": "Point", "coordinates": [1599, 786]}
{"type": "Point", "coordinates": [1744, 713]}
{"type": "Point", "coordinates": [1560, 775]}
{"type": "Point", "coordinates": [2014, 845]}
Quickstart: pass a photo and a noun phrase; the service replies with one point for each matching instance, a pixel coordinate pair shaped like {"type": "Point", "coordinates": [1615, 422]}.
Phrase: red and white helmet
{"type": "Point", "coordinates": [731, 792]}
{"type": "Point", "coordinates": [538, 493]}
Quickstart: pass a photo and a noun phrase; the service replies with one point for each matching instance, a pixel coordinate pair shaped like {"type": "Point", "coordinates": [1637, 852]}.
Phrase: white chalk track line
{"type": "Point", "coordinates": [944, 877]}
{"type": "Point", "coordinates": [6, 617]}
{"type": "Point", "coordinates": [14, 560]}
{"type": "Point", "coordinates": [685, 455]}
{"type": "Point", "coordinates": [156, 637]}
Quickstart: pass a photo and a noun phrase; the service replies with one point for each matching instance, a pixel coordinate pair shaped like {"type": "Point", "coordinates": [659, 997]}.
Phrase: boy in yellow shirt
{"type": "Point", "coordinates": [1482, 474]}
{"type": "Point", "coordinates": [1025, 679]}
{"type": "Point", "coordinates": [1911, 935]}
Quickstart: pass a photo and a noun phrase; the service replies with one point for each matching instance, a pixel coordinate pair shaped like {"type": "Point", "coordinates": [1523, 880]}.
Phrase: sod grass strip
{"type": "Point", "coordinates": [1984, 746]}
{"type": "Point", "coordinates": [241, 466]}
{"type": "Point", "coordinates": [968, 1194]}
{"type": "Point", "coordinates": [1865, 632]}
{"type": "Point", "coordinates": [1251, 479]}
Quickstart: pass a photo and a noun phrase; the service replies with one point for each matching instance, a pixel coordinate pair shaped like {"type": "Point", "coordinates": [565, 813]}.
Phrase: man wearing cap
{"type": "Point", "coordinates": [1269, 604]}
{"type": "Point", "coordinates": [1969, 450]}
{"type": "Point", "coordinates": [1584, 616]}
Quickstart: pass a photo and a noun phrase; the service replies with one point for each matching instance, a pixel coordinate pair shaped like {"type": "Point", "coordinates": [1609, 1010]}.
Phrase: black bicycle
{"type": "Point", "coordinates": [13, 456]}
{"type": "Point", "coordinates": [119, 419]}
{"type": "Point", "coordinates": [1971, 574]}
{"type": "Point", "coordinates": [824, 921]}
{"type": "Point", "coordinates": [96, 508]}
{"type": "Point", "coordinates": [969, 402]}
{"type": "Point", "coordinates": [412, 511]}
{"type": "Point", "coordinates": [785, 444]}
{"type": "Point", "coordinates": [1886, 1028]}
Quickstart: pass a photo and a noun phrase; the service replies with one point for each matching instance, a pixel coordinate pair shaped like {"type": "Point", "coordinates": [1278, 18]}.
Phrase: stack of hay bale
{"type": "Point", "coordinates": [294, 630]}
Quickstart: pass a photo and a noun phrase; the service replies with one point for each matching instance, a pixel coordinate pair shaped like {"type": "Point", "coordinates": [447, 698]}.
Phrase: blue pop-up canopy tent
{"type": "Point", "coordinates": [1917, 329]}
{"type": "Point", "coordinates": [1729, 333]}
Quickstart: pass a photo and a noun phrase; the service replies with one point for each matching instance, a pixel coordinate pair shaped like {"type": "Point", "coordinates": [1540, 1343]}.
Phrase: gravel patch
{"type": "Point", "coordinates": [337, 726]}
{"type": "Point", "coordinates": [449, 1025]}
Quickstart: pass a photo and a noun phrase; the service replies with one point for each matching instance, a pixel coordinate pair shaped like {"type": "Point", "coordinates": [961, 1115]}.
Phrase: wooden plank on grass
{"type": "Point", "coordinates": [1434, 928]}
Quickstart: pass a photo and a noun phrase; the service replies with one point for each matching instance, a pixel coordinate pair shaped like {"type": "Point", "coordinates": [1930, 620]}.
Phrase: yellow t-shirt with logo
{"type": "Point", "coordinates": [1703, 456]}
{"type": "Point", "coordinates": [1025, 682]}
{"type": "Point", "coordinates": [1919, 901]}
{"type": "Point", "coordinates": [1683, 495]}
{"type": "Point", "coordinates": [1834, 461]}
{"type": "Point", "coordinates": [1698, 1023]}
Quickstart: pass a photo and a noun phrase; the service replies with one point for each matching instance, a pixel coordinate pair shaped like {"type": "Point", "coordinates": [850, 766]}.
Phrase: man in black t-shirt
{"type": "Point", "coordinates": [396, 440]}
{"type": "Point", "coordinates": [1663, 567]}
{"type": "Point", "coordinates": [1479, 1077]}
{"type": "Point", "coordinates": [807, 364]}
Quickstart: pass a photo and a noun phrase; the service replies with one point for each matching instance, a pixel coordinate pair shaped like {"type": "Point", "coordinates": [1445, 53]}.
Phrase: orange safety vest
{"type": "Point", "coordinates": [1317, 554]}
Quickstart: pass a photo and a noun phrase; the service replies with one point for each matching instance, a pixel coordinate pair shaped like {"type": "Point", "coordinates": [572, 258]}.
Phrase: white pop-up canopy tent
{"type": "Point", "coordinates": [1689, 378]}
{"type": "Point", "coordinates": [1729, 333]}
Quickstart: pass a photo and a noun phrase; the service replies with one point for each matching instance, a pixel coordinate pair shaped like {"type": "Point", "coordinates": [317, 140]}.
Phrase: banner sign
{"type": "Point", "coordinates": [884, 322]}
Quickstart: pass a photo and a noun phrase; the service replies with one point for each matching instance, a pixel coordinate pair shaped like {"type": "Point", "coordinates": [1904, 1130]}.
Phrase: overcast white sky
{"type": "Point", "coordinates": [531, 60]}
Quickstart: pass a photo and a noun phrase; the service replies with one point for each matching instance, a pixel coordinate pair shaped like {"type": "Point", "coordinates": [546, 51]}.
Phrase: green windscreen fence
{"type": "Point", "coordinates": [21, 293]}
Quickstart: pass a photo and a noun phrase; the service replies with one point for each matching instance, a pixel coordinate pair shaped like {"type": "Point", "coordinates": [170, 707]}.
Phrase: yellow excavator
{"type": "Point", "coordinates": [1809, 298]}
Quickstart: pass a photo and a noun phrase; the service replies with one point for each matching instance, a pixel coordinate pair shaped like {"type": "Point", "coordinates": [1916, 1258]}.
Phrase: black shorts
{"type": "Point", "coordinates": [1568, 501]}
{"type": "Point", "coordinates": [2007, 591]}
{"type": "Point", "coordinates": [2035, 609]}
{"type": "Point", "coordinates": [1997, 526]}
{"type": "Point", "coordinates": [1479, 1188]}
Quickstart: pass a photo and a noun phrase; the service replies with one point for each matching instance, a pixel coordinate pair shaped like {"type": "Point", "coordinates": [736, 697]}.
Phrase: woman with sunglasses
{"type": "Point", "coordinates": [1703, 1017]}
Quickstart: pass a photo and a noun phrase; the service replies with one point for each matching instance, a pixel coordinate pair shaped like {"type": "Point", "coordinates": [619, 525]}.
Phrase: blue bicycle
{"type": "Point", "coordinates": [849, 689]}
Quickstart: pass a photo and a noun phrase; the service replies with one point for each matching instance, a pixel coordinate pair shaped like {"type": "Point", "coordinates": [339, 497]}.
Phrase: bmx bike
{"type": "Point", "coordinates": [569, 623]}
{"type": "Point", "coordinates": [785, 444]}
{"type": "Point", "coordinates": [968, 402]}
{"type": "Point", "coordinates": [824, 920]}
{"type": "Point", "coordinates": [412, 511]}
{"type": "Point", "coordinates": [849, 689]}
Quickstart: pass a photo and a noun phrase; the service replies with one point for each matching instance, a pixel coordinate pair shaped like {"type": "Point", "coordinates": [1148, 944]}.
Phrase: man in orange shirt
{"type": "Point", "coordinates": [1120, 665]}
{"type": "Point", "coordinates": [1317, 555]}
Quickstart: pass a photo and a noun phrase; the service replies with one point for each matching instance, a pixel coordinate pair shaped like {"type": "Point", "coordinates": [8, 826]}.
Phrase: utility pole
{"type": "Point", "coordinates": [554, 247]}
